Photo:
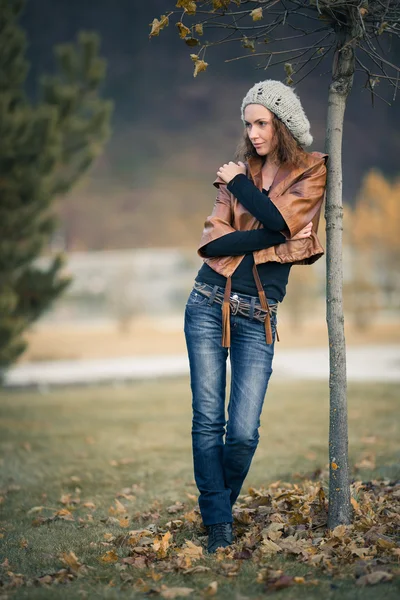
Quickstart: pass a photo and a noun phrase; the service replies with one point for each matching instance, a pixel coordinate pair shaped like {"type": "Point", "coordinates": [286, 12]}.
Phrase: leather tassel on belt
{"type": "Point", "coordinates": [226, 315]}
{"type": "Point", "coordinates": [265, 306]}
{"type": "Point", "coordinates": [226, 311]}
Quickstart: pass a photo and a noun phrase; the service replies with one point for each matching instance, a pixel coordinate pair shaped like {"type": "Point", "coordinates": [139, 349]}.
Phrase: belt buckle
{"type": "Point", "coordinates": [235, 308]}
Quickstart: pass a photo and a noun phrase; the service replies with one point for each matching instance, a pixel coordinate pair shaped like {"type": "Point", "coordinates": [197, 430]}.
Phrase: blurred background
{"type": "Point", "coordinates": [130, 227]}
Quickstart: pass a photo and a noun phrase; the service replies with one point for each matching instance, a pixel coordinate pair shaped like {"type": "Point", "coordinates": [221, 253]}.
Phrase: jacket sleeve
{"type": "Point", "coordinates": [302, 202]}
{"type": "Point", "coordinates": [219, 223]}
{"type": "Point", "coordinates": [243, 242]}
{"type": "Point", "coordinates": [256, 202]}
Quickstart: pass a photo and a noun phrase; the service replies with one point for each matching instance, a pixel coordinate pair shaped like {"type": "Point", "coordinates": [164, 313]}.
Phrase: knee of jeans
{"type": "Point", "coordinates": [243, 438]}
{"type": "Point", "coordinates": [207, 427]}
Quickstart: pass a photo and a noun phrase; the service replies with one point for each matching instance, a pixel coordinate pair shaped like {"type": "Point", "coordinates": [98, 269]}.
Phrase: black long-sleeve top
{"type": "Point", "coordinates": [274, 276]}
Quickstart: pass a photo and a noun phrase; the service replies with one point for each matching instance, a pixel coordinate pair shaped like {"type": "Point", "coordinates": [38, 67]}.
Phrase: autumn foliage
{"type": "Point", "coordinates": [287, 520]}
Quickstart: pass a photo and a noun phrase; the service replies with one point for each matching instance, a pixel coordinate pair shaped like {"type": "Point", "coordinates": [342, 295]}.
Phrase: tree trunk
{"type": "Point", "coordinates": [339, 487]}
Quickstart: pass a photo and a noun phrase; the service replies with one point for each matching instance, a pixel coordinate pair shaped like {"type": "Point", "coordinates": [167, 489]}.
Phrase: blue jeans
{"type": "Point", "coordinates": [220, 467]}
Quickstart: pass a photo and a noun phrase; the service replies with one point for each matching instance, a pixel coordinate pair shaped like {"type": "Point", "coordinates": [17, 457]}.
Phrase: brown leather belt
{"type": "Point", "coordinates": [237, 305]}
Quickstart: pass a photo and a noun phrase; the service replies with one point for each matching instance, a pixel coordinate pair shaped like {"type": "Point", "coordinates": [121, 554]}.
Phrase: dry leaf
{"type": "Point", "coordinates": [161, 546]}
{"type": "Point", "coordinates": [291, 545]}
{"type": "Point", "coordinates": [71, 560]}
{"type": "Point", "coordinates": [64, 514]}
{"type": "Point", "coordinates": [257, 14]}
{"type": "Point", "coordinates": [35, 509]}
{"type": "Point", "coordinates": [340, 531]}
{"type": "Point", "coordinates": [197, 569]}
{"type": "Point", "coordinates": [246, 43]}
{"type": "Point", "coordinates": [355, 505]}
{"type": "Point", "coordinates": [273, 531]}
{"type": "Point", "coordinates": [199, 66]}
{"type": "Point", "coordinates": [45, 580]}
{"type": "Point", "coordinates": [158, 25]}
{"type": "Point", "coordinates": [269, 547]}
{"type": "Point", "coordinates": [109, 557]}
{"type": "Point", "coordinates": [374, 577]}
{"type": "Point", "coordinates": [119, 508]}
{"type": "Point", "coordinates": [188, 5]}
{"type": "Point", "coordinates": [124, 521]}
{"type": "Point", "coordinates": [191, 550]}
{"type": "Point", "coordinates": [244, 554]}
{"type": "Point", "coordinates": [155, 576]}
{"type": "Point", "coordinates": [174, 508]}
{"type": "Point", "coordinates": [183, 30]}
{"type": "Point", "coordinates": [175, 592]}
{"type": "Point", "coordinates": [140, 562]}
{"type": "Point", "coordinates": [284, 581]}
{"type": "Point", "coordinates": [211, 589]}
{"type": "Point", "coordinates": [192, 516]}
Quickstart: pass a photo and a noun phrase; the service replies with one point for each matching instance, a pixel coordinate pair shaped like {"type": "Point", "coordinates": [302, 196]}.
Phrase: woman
{"type": "Point", "coordinates": [264, 220]}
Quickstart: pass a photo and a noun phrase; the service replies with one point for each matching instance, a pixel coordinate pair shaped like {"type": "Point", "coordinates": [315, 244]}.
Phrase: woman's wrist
{"type": "Point", "coordinates": [235, 179]}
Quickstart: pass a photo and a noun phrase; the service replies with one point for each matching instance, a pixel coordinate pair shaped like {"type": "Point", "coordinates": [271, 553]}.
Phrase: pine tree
{"type": "Point", "coordinates": [45, 148]}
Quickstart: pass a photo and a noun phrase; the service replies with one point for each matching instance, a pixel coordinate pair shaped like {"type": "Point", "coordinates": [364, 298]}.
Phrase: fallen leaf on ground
{"type": "Point", "coordinates": [109, 557]}
{"type": "Point", "coordinates": [269, 547]}
{"type": "Point", "coordinates": [211, 589]}
{"type": "Point", "coordinates": [118, 509]}
{"type": "Point", "coordinates": [191, 550]}
{"type": "Point", "coordinates": [64, 514]}
{"type": "Point", "coordinates": [175, 592]}
{"type": "Point", "coordinates": [197, 569]}
{"type": "Point", "coordinates": [71, 560]}
{"type": "Point", "coordinates": [161, 546]}
{"type": "Point", "coordinates": [374, 577]}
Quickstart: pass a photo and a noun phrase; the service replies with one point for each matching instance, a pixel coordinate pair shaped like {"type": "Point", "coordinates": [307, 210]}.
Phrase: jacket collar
{"type": "Point", "coordinates": [285, 174]}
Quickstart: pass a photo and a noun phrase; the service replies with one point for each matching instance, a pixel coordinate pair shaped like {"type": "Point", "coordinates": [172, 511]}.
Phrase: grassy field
{"type": "Point", "coordinates": [108, 460]}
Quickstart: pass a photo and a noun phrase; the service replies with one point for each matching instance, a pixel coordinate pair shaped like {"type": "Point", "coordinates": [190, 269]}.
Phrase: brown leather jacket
{"type": "Point", "coordinates": [298, 193]}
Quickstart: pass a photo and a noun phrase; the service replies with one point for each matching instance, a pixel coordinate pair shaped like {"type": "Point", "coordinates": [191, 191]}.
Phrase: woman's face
{"type": "Point", "coordinates": [258, 123]}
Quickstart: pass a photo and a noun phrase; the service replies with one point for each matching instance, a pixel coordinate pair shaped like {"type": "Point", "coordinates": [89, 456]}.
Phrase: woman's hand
{"type": "Point", "coordinates": [230, 170]}
{"type": "Point", "coordinates": [304, 233]}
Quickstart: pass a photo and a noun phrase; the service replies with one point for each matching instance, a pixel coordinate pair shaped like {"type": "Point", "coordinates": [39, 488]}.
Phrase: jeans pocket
{"type": "Point", "coordinates": [196, 299]}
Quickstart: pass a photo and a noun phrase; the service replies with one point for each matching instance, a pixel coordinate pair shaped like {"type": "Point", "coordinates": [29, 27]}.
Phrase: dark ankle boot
{"type": "Point", "coordinates": [219, 535]}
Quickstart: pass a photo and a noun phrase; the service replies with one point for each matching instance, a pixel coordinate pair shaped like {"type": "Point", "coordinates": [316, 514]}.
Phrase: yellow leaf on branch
{"type": "Point", "coordinates": [246, 43]}
{"type": "Point", "coordinates": [220, 4]}
{"type": "Point", "coordinates": [199, 66]}
{"type": "Point", "coordinates": [183, 30]}
{"type": "Point", "coordinates": [157, 25]}
{"type": "Point", "coordinates": [257, 14]}
{"type": "Point", "coordinates": [188, 5]}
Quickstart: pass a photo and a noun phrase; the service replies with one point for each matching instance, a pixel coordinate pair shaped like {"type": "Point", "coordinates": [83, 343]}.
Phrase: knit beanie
{"type": "Point", "coordinates": [285, 104]}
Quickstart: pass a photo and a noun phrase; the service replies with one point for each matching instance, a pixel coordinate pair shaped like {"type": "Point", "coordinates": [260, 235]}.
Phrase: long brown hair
{"type": "Point", "coordinates": [287, 150]}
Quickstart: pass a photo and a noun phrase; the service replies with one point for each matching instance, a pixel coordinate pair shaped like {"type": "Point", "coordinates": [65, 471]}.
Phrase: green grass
{"type": "Point", "coordinates": [94, 442]}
